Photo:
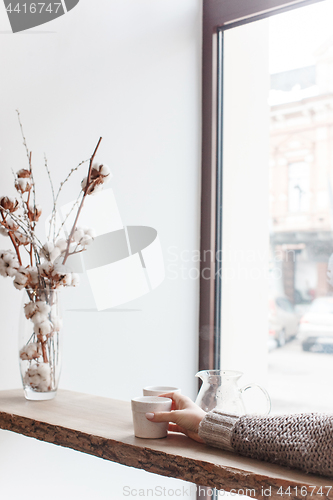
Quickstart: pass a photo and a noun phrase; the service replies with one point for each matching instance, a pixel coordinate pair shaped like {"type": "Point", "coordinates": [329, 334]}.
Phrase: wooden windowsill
{"type": "Point", "coordinates": [103, 427]}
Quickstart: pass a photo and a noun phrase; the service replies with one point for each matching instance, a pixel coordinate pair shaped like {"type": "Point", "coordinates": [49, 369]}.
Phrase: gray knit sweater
{"type": "Point", "coordinates": [303, 441]}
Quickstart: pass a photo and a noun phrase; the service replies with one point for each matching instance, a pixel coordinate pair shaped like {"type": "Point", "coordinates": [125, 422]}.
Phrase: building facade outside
{"type": "Point", "coordinates": [301, 177]}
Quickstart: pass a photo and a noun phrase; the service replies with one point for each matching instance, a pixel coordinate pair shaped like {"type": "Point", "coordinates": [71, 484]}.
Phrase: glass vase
{"type": "Point", "coordinates": [40, 343]}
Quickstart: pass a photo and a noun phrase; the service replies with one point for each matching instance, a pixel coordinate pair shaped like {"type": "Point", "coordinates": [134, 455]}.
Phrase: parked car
{"type": "Point", "coordinates": [316, 326]}
{"type": "Point", "coordinates": [283, 320]}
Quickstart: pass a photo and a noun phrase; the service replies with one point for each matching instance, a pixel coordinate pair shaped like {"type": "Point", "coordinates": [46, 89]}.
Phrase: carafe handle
{"type": "Point", "coordinates": [268, 399]}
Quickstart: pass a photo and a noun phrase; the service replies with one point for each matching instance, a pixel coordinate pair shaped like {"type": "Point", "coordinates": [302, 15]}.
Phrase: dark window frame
{"type": "Point", "coordinates": [218, 15]}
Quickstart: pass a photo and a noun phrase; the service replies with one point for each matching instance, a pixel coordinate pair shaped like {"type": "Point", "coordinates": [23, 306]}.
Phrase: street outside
{"type": "Point", "coordinates": [299, 381]}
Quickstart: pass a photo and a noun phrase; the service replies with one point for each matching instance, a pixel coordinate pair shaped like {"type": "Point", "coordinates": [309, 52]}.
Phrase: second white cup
{"type": "Point", "coordinates": [155, 390]}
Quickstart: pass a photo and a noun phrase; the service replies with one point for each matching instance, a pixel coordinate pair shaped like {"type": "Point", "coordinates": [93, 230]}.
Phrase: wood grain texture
{"type": "Point", "coordinates": [103, 427]}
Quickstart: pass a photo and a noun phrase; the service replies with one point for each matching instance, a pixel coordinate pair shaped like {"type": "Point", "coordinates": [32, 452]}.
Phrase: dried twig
{"type": "Point", "coordinates": [55, 200]}
{"type": "Point", "coordinates": [29, 155]}
{"type": "Point", "coordinates": [50, 179]}
{"type": "Point", "coordinates": [69, 213]}
{"type": "Point", "coordinates": [52, 219]}
{"type": "Point", "coordinates": [68, 176]}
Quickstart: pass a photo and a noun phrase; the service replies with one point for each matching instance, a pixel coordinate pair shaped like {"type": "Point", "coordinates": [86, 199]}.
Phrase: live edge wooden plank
{"type": "Point", "coordinates": [103, 427]}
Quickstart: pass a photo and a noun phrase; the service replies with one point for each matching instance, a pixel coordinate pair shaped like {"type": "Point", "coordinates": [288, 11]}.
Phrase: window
{"type": "Point", "coordinates": [251, 138]}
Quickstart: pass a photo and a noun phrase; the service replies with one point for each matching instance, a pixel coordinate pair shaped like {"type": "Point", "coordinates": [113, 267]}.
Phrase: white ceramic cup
{"type": "Point", "coordinates": [155, 390]}
{"type": "Point", "coordinates": [143, 428]}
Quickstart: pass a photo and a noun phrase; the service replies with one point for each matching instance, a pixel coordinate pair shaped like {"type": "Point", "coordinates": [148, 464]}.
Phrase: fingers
{"type": "Point", "coordinates": [177, 398]}
{"type": "Point", "coordinates": [173, 428]}
{"type": "Point", "coordinates": [162, 416]}
{"type": "Point", "coordinates": [176, 428]}
{"type": "Point", "coordinates": [166, 417]}
{"type": "Point", "coordinates": [190, 434]}
{"type": "Point", "coordinates": [169, 395]}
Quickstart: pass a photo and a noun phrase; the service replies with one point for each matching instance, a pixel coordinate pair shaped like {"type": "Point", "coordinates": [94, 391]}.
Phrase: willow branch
{"type": "Point", "coordinates": [69, 213]}
{"type": "Point", "coordinates": [67, 178]}
{"type": "Point", "coordinates": [55, 199]}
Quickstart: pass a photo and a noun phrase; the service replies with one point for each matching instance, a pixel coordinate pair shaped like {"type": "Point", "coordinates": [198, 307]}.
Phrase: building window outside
{"type": "Point", "coordinates": [298, 187]}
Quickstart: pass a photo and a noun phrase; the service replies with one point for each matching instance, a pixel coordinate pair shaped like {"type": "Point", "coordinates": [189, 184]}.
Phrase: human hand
{"type": "Point", "coordinates": [185, 415]}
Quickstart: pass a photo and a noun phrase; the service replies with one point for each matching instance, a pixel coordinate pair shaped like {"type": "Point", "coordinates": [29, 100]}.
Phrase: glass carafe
{"type": "Point", "coordinates": [220, 390]}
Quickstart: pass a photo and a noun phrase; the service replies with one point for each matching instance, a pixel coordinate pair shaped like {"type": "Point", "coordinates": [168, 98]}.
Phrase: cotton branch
{"type": "Point", "coordinates": [13, 242]}
{"type": "Point", "coordinates": [29, 155]}
{"type": "Point", "coordinates": [85, 192]}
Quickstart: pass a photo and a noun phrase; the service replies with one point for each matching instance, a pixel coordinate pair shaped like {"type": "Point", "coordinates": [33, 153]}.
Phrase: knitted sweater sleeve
{"type": "Point", "coordinates": [303, 441]}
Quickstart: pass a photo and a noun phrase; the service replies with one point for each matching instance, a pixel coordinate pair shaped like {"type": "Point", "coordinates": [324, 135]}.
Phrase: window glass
{"type": "Point", "coordinates": [278, 206]}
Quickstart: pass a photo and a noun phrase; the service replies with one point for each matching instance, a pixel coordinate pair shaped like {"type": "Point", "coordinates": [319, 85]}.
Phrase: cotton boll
{"type": "Point", "coordinates": [3, 269]}
{"type": "Point", "coordinates": [44, 370]}
{"type": "Point", "coordinates": [46, 268]}
{"type": "Point", "coordinates": [96, 189]}
{"type": "Point", "coordinates": [104, 170]}
{"type": "Point", "coordinates": [47, 248]}
{"type": "Point", "coordinates": [18, 285]}
{"type": "Point", "coordinates": [59, 270]}
{"type": "Point", "coordinates": [100, 173]}
{"type": "Point", "coordinates": [22, 273]}
{"type": "Point", "coordinates": [22, 238]}
{"type": "Point", "coordinates": [34, 213]}
{"type": "Point", "coordinates": [21, 278]}
{"type": "Point", "coordinates": [38, 318]}
{"type": "Point", "coordinates": [31, 351]}
{"type": "Point", "coordinates": [43, 385]}
{"type": "Point", "coordinates": [83, 236]}
{"type": "Point", "coordinates": [23, 184]}
{"type": "Point", "coordinates": [38, 377]}
{"type": "Point", "coordinates": [106, 179]}
{"type": "Point", "coordinates": [67, 280]}
{"type": "Point", "coordinates": [43, 307]}
{"type": "Point", "coordinates": [43, 328]}
{"type": "Point", "coordinates": [9, 203]}
{"type": "Point", "coordinates": [11, 224]}
{"type": "Point", "coordinates": [85, 240]}
{"type": "Point", "coordinates": [23, 173]}
{"type": "Point", "coordinates": [61, 244]}
{"type": "Point", "coordinates": [7, 254]}
{"type": "Point", "coordinates": [56, 252]}
{"type": "Point", "coordinates": [29, 309]}
{"type": "Point", "coordinates": [11, 272]}
{"type": "Point", "coordinates": [78, 234]}
{"type": "Point", "coordinates": [8, 263]}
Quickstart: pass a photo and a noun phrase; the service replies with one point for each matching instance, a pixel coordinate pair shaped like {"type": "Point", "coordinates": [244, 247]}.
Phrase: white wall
{"type": "Point", "coordinates": [129, 71]}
